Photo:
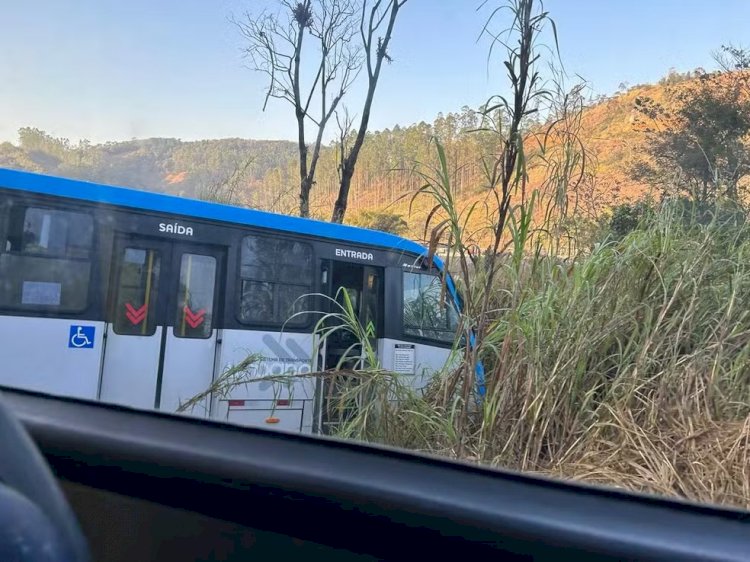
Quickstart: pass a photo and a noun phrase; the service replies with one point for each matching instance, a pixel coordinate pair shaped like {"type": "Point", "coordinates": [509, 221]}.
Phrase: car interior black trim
{"type": "Point", "coordinates": [436, 504]}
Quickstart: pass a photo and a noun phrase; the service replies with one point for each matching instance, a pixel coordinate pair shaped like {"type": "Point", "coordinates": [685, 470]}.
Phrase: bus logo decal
{"type": "Point", "coordinates": [341, 253]}
{"type": "Point", "coordinates": [81, 337]}
{"type": "Point", "coordinates": [297, 353]}
{"type": "Point", "coordinates": [135, 315]}
{"type": "Point", "coordinates": [194, 319]}
{"type": "Point", "coordinates": [175, 228]}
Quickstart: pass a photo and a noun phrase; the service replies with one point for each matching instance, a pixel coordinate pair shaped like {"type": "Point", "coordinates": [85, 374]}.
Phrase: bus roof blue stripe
{"type": "Point", "coordinates": [134, 198]}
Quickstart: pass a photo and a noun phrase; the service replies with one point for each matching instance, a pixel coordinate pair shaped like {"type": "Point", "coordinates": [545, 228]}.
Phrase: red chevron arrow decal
{"type": "Point", "coordinates": [194, 319]}
{"type": "Point", "coordinates": [135, 315]}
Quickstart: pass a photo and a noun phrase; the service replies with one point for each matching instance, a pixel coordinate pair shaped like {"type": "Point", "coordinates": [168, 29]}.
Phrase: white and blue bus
{"type": "Point", "coordinates": [143, 299]}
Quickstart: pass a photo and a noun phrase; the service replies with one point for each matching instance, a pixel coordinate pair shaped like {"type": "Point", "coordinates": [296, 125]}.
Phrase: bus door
{"type": "Point", "coordinates": [364, 286]}
{"type": "Point", "coordinates": [161, 335]}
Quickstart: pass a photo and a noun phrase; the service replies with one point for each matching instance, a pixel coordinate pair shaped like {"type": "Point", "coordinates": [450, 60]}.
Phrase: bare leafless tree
{"type": "Point", "coordinates": [344, 123]}
{"type": "Point", "coordinates": [735, 59]}
{"type": "Point", "coordinates": [276, 47]}
{"type": "Point", "coordinates": [376, 15]}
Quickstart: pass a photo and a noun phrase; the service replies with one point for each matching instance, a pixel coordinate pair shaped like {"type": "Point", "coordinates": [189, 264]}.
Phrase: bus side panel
{"type": "Point", "coordinates": [51, 355]}
{"type": "Point", "coordinates": [251, 400]}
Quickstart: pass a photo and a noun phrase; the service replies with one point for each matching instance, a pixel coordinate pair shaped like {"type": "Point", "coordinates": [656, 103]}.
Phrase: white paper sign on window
{"type": "Point", "coordinates": [41, 293]}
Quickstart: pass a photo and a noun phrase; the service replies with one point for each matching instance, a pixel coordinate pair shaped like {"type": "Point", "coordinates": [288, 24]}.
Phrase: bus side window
{"type": "Point", "coordinates": [50, 232]}
{"type": "Point", "coordinates": [45, 259]}
{"type": "Point", "coordinates": [274, 274]}
{"type": "Point", "coordinates": [4, 214]}
{"type": "Point", "coordinates": [425, 315]}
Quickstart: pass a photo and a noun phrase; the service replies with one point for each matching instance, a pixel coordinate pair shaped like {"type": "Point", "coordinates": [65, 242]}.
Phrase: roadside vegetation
{"type": "Point", "coordinates": [611, 347]}
{"type": "Point", "coordinates": [628, 366]}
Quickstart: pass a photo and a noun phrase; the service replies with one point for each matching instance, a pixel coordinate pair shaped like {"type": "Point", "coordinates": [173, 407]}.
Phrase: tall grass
{"type": "Point", "coordinates": [629, 366]}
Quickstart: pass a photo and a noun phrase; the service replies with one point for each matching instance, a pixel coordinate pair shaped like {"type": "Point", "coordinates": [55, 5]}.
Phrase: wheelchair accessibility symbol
{"type": "Point", "coordinates": [81, 337]}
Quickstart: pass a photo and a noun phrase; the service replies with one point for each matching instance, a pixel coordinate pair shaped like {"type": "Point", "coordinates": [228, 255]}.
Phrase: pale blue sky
{"type": "Point", "coordinates": [116, 69]}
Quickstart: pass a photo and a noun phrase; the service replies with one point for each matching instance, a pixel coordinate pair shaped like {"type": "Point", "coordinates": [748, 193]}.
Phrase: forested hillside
{"type": "Point", "coordinates": [158, 164]}
{"type": "Point", "coordinates": [263, 174]}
